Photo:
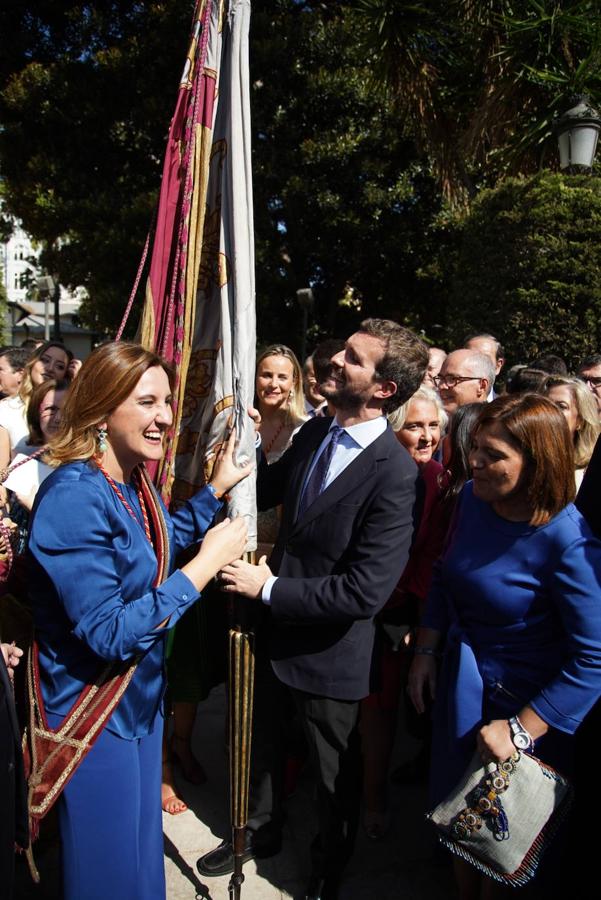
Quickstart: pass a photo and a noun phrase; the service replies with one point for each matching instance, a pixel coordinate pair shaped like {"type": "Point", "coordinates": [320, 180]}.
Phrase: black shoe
{"type": "Point", "coordinates": [220, 861]}
{"type": "Point", "coordinates": [322, 888]}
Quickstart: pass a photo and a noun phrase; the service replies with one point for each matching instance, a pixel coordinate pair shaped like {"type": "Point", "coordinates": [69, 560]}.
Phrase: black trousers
{"type": "Point", "coordinates": [272, 714]}
{"type": "Point", "coordinates": [331, 732]}
{"type": "Point", "coordinates": [333, 737]}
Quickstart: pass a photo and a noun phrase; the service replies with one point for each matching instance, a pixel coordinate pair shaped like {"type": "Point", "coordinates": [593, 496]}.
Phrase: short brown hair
{"type": "Point", "coordinates": [539, 430]}
{"type": "Point", "coordinates": [405, 359]}
{"type": "Point", "coordinates": [106, 379]}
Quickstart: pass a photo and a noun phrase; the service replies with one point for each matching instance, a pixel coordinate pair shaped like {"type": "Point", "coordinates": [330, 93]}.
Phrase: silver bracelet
{"type": "Point", "coordinates": [425, 651]}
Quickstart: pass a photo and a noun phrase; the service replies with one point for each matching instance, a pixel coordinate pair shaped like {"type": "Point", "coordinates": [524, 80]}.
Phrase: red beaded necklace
{"type": "Point", "coordinates": [274, 438]}
{"type": "Point", "coordinates": [127, 506]}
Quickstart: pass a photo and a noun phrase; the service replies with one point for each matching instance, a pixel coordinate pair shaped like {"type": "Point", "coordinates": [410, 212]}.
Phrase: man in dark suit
{"type": "Point", "coordinates": [348, 491]}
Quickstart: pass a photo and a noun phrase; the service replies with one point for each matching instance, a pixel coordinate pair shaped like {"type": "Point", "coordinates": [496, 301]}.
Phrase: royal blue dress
{"type": "Point", "coordinates": [91, 571]}
{"type": "Point", "coordinates": [520, 607]}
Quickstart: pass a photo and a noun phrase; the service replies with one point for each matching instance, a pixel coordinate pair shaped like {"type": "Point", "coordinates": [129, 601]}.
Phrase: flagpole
{"type": "Point", "coordinates": [241, 688]}
{"type": "Point", "coordinates": [199, 313]}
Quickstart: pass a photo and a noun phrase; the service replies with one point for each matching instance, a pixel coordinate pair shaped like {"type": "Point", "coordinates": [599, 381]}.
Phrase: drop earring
{"type": "Point", "coordinates": [101, 439]}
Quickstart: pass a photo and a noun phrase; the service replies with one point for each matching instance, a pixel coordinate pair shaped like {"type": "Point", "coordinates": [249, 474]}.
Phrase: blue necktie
{"type": "Point", "coordinates": [317, 480]}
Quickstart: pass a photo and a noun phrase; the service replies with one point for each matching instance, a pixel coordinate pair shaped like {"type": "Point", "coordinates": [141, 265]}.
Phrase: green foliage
{"type": "Point", "coordinates": [548, 51]}
{"type": "Point", "coordinates": [528, 267]}
{"type": "Point", "coordinates": [480, 83]}
{"type": "Point", "coordinates": [343, 200]}
{"type": "Point", "coordinates": [86, 96]}
{"type": "Point", "coordinates": [341, 195]}
{"type": "Point", "coordinates": [350, 178]}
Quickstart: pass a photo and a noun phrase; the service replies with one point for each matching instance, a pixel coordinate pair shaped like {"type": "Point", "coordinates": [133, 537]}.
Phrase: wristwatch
{"type": "Point", "coordinates": [520, 737]}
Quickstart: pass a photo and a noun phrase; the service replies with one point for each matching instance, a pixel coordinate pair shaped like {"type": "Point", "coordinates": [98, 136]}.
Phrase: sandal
{"type": "Point", "coordinates": [191, 768]}
{"type": "Point", "coordinates": [170, 802]}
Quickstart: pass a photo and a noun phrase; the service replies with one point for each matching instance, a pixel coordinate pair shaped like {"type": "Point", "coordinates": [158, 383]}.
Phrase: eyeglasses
{"type": "Point", "coordinates": [593, 381]}
{"type": "Point", "coordinates": [453, 380]}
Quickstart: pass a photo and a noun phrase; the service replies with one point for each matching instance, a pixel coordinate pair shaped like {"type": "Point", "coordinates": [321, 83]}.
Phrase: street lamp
{"type": "Point", "coordinates": [577, 133]}
{"type": "Point", "coordinates": [49, 287]}
{"type": "Point", "coordinates": [305, 300]}
{"type": "Point", "coordinates": [45, 285]}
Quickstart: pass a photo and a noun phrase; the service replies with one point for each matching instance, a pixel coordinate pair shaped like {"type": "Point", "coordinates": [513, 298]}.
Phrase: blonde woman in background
{"type": "Point", "coordinates": [280, 401]}
{"type": "Point", "coordinates": [278, 388]}
{"type": "Point", "coordinates": [579, 407]}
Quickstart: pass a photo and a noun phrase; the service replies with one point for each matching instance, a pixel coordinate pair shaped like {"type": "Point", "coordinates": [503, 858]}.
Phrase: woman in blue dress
{"type": "Point", "coordinates": [104, 595]}
{"type": "Point", "coordinates": [516, 598]}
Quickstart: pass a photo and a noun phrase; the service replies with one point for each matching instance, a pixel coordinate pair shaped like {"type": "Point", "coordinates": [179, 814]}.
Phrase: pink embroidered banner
{"type": "Point", "coordinates": [199, 308]}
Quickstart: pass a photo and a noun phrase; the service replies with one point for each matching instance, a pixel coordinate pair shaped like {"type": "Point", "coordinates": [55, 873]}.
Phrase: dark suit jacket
{"type": "Point", "coordinates": [588, 500]}
{"type": "Point", "coordinates": [338, 564]}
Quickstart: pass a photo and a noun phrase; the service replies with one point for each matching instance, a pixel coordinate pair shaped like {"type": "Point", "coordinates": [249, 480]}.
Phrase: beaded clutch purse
{"type": "Point", "coordinates": [501, 817]}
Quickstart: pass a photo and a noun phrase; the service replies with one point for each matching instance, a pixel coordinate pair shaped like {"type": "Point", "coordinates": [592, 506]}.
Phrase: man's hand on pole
{"type": "Point", "coordinates": [241, 577]}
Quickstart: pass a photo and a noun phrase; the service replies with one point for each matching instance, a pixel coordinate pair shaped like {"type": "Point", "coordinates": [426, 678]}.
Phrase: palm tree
{"type": "Point", "coordinates": [479, 82]}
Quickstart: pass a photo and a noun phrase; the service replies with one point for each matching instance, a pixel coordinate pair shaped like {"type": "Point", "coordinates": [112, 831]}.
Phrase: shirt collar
{"type": "Point", "coordinates": [364, 433]}
{"type": "Point", "coordinates": [313, 410]}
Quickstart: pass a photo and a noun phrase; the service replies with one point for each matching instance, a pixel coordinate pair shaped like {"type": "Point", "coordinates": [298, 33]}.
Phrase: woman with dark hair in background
{"type": "Point", "coordinates": [460, 443]}
{"type": "Point", "coordinates": [21, 481]}
{"type": "Point", "coordinates": [50, 360]}
{"type": "Point", "coordinates": [28, 470]}
{"type": "Point", "coordinates": [516, 595]}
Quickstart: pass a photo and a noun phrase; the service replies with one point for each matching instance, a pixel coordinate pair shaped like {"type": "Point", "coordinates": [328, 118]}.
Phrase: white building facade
{"type": "Point", "coordinates": [33, 318]}
{"type": "Point", "coordinates": [19, 263]}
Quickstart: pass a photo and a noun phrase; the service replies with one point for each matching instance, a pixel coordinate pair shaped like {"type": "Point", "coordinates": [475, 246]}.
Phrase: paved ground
{"type": "Point", "coordinates": [400, 866]}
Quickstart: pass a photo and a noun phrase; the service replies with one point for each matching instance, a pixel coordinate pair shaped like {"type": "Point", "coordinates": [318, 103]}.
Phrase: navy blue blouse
{"type": "Point", "coordinates": [90, 576]}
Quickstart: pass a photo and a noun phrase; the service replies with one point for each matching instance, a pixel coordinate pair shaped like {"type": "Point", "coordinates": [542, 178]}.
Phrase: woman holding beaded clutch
{"type": "Point", "coordinates": [104, 596]}
{"type": "Point", "coordinates": [516, 597]}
